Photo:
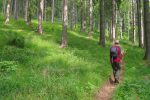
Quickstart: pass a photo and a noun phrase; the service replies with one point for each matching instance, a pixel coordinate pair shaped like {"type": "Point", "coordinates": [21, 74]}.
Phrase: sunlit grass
{"type": "Point", "coordinates": [44, 71]}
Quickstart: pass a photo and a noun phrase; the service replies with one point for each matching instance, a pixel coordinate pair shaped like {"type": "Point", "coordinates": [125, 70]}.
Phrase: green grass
{"type": "Point", "coordinates": [136, 81]}
{"type": "Point", "coordinates": [41, 70]}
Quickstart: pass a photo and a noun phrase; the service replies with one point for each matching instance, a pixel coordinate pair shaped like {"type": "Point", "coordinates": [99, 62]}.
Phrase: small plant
{"type": "Point", "coordinates": [18, 42]}
{"type": "Point", "coordinates": [8, 66]}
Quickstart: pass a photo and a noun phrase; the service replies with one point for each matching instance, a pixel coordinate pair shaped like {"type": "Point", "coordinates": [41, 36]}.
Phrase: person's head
{"type": "Point", "coordinates": [116, 42]}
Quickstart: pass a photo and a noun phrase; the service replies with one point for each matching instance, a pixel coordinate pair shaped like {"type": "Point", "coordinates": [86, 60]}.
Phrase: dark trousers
{"type": "Point", "coordinates": [116, 70]}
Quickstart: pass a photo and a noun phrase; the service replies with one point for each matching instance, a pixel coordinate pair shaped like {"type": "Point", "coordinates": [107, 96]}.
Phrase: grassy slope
{"type": "Point", "coordinates": [41, 70]}
{"type": "Point", "coordinates": [44, 71]}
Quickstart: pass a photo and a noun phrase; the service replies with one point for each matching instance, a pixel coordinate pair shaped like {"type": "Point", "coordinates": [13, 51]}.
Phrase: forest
{"type": "Point", "coordinates": [60, 49]}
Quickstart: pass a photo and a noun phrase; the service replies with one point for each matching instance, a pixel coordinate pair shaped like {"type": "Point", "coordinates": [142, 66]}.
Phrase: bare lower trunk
{"type": "Point", "coordinates": [52, 19]}
{"type": "Point", "coordinates": [45, 7]}
{"type": "Point", "coordinates": [82, 22]}
{"type": "Point", "coordinates": [29, 15]}
{"type": "Point", "coordinates": [72, 16]}
{"type": "Point", "coordinates": [140, 32]}
{"type": "Point", "coordinates": [8, 12]}
{"type": "Point", "coordinates": [121, 27]}
{"type": "Point", "coordinates": [64, 24]}
{"type": "Point", "coordinates": [133, 22]}
{"type": "Point", "coordinates": [124, 29]}
{"type": "Point", "coordinates": [26, 10]}
{"type": "Point", "coordinates": [142, 29]}
{"type": "Point", "coordinates": [83, 13]}
{"type": "Point", "coordinates": [128, 25]}
{"type": "Point", "coordinates": [113, 20]}
{"type": "Point", "coordinates": [102, 24]}
{"type": "Point", "coordinates": [134, 31]}
{"type": "Point", "coordinates": [146, 27]}
{"type": "Point", "coordinates": [15, 9]}
{"type": "Point", "coordinates": [90, 18]}
{"type": "Point", "coordinates": [4, 7]}
{"type": "Point", "coordinates": [40, 16]}
{"type": "Point", "coordinates": [110, 30]}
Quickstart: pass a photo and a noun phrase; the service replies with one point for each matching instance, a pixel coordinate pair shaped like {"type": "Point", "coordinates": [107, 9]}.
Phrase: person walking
{"type": "Point", "coordinates": [115, 59]}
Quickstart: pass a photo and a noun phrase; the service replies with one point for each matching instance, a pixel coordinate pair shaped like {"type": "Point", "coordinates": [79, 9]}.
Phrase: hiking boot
{"type": "Point", "coordinates": [116, 81]}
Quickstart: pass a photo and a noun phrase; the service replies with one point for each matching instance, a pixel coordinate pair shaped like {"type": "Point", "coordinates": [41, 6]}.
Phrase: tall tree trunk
{"type": "Point", "coordinates": [90, 18]}
{"type": "Point", "coordinates": [142, 28]}
{"type": "Point", "coordinates": [83, 15]}
{"type": "Point", "coordinates": [133, 22]}
{"type": "Point", "coordinates": [16, 9]}
{"type": "Point", "coordinates": [123, 23]}
{"type": "Point", "coordinates": [45, 10]}
{"type": "Point", "coordinates": [64, 24]}
{"type": "Point", "coordinates": [26, 10]}
{"type": "Point", "coordinates": [102, 24]}
{"type": "Point", "coordinates": [147, 27]}
{"type": "Point", "coordinates": [120, 24]}
{"type": "Point", "coordinates": [121, 27]}
{"type": "Point", "coordinates": [11, 7]}
{"type": "Point", "coordinates": [8, 12]}
{"type": "Point", "coordinates": [40, 16]}
{"type": "Point", "coordinates": [72, 19]}
{"type": "Point", "coordinates": [4, 7]}
{"type": "Point", "coordinates": [113, 20]}
{"type": "Point", "coordinates": [29, 14]}
{"type": "Point", "coordinates": [76, 17]}
{"type": "Point", "coordinates": [139, 13]}
{"type": "Point", "coordinates": [128, 25]}
{"type": "Point", "coordinates": [53, 10]}
{"type": "Point", "coordinates": [21, 4]}
{"type": "Point", "coordinates": [110, 30]}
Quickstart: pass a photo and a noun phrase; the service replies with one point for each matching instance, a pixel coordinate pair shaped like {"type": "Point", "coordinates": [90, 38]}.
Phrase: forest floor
{"type": "Point", "coordinates": [33, 67]}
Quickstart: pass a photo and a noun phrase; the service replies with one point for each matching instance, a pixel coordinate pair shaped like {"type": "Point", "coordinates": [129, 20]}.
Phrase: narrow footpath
{"type": "Point", "coordinates": [106, 91]}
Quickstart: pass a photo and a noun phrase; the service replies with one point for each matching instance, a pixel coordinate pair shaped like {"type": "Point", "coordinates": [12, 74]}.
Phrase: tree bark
{"type": "Point", "coordinates": [53, 11]}
{"type": "Point", "coordinates": [40, 16]}
{"type": "Point", "coordinates": [72, 19]}
{"type": "Point", "coordinates": [64, 24]}
{"type": "Point", "coordinates": [140, 32]}
{"type": "Point", "coordinates": [29, 14]}
{"type": "Point", "coordinates": [121, 27]}
{"type": "Point", "coordinates": [123, 23]}
{"type": "Point", "coordinates": [4, 7]}
{"type": "Point", "coordinates": [83, 15]}
{"type": "Point", "coordinates": [147, 28]}
{"type": "Point", "coordinates": [110, 30]}
{"type": "Point", "coordinates": [142, 28]}
{"type": "Point", "coordinates": [129, 25]}
{"type": "Point", "coordinates": [8, 12]}
{"type": "Point", "coordinates": [90, 33]}
{"type": "Point", "coordinates": [15, 9]}
{"type": "Point", "coordinates": [26, 10]}
{"type": "Point", "coordinates": [45, 10]}
{"type": "Point", "coordinates": [133, 22]}
{"type": "Point", "coordinates": [113, 20]}
{"type": "Point", "coordinates": [102, 24]}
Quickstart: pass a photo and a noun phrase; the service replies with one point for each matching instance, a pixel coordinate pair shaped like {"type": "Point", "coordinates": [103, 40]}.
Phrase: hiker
{"type": "Point", "coordinates": [115, 59]}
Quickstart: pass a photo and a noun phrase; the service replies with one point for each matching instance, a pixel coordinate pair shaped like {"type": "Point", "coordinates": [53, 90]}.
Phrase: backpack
{"type": "Point", "coordinates": [114, 52]}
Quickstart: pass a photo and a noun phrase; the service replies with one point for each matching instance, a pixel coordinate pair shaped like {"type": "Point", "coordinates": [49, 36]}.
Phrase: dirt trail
{"type": "Point", "coordinates": [106, 91]}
